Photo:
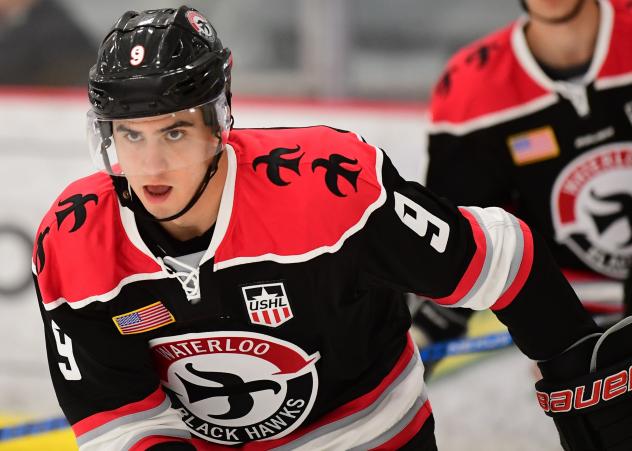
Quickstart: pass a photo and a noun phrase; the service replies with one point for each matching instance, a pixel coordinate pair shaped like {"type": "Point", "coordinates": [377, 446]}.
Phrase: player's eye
{"type": "Point", "coordinates": [175, 135]}
{"type": "Point", "coordinates": [133, 136]}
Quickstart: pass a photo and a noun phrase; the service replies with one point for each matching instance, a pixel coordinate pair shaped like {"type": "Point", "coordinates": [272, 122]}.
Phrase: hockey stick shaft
{"type": "Point", "coordinates": [32, 428]}
{"type": "Point", "coordinates": [491, 342]}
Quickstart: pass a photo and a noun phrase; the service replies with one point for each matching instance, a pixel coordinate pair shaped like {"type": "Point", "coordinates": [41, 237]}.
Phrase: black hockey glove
{"type": "Point", "coordinates": [587, 390]}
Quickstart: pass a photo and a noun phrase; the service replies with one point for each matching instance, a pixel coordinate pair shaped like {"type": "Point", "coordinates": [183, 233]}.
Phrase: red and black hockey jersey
{"type": "Point", "coordinates": [504, 133]}
{"type": "Point", "coordinates": [300, 338]}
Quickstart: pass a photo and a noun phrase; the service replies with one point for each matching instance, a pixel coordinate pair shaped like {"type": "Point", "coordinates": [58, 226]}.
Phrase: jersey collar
{"type": "Point", "coordinates": [221, 224]}
{"type": "Point", "coordinates": [533, 69]}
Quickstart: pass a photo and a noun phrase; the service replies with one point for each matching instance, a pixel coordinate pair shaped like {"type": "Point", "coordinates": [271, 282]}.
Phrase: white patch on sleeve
{"type": "Point", "coordinates": [505, 247]}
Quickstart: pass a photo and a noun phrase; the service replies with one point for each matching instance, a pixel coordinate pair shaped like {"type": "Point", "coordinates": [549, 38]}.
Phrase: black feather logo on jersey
{"type": "Point", "coordinates": [481, 55]}
{"type": "Point", "coordinates": [78, 207]}
{"type": "Point", "coordinates": [604, 221]}
{"type": "Point", "coordinates": [275, 163]}
{"type": "Point", "coordinates": [41, 256]}
{"type": "Point", "coordinates": [334, 170]}
{"type": "Point", "coordinates": [237, 392]}
{"type": "Point", "coordinates": [445, 82]}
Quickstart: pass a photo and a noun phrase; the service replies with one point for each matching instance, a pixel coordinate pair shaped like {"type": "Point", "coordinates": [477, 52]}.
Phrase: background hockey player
{"type": "Point", "coordinates": [214, 287]}
{"type": "Point", "coordinates": [538, 117]}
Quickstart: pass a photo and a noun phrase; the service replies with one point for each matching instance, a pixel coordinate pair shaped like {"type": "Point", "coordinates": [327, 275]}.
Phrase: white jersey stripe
{"type": "Point", "coordinates": [517, 260]}
{"type": "Point", "coordinates": [614, 81]}
{"type": "Point", "coordinates": [505, 252]}
{"type": "Point", "coordinates": [497, 117]}
{"type": "Point", "coordinates": [489, 252]}
{"type": "Point", "coordinates": [119, 429]}
{"type": "Point", "coordinates": [397, 403]}
{"type": "Point", "coordinates": [105, 297]}
{"type": "Point", "coordinates": [176, 433]}
{"type": "Point", "coordinates": [396, 428]}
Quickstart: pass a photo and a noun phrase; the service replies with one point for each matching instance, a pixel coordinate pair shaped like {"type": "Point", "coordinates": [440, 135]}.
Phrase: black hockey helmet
{"type": "Point", "coordinates": [154, 63]}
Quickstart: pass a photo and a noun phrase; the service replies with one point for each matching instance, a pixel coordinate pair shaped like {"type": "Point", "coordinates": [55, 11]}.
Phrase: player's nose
{"type": "Point", "coordinates": [155, 159]}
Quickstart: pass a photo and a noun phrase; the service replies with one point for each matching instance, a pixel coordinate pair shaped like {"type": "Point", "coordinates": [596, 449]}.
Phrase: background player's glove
{"type": "Point", "coordinates": [588, 391]}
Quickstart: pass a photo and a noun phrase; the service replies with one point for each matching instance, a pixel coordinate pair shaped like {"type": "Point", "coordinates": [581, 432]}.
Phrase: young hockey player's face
{"type": "Point", "coordinates": [165, 158]}
{"type": "Point", "coordinates": [554, 11]}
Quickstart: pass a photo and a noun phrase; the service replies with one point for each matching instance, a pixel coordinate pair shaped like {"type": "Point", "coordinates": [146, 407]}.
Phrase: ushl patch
{"type": "Point", "coordinates": [143, 319]}
{"type": "Point", "coordinates": [267, 304]}
{"type": "Point", "coordinates": [533, 146]}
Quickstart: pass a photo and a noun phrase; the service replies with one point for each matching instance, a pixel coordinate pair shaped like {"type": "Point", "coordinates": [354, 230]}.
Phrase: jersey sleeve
{"type": "Point", "coordinates": [478, 258]}
{"type": "Point", "coordinates": [105, 384]}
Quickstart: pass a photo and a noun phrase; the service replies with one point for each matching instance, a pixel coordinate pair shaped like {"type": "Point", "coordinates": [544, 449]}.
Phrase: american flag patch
{"type": "Point", "coordinates": [143, 319]}
{"type": "Point", "coordinates": [532, 146]}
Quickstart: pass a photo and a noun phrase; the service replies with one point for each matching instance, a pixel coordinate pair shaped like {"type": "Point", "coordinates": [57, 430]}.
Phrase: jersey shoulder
{"type": "Point", "coordinates": [299, 192]}
{"type": "Point", "coordinates": [618, 61]}
{"type": "Point", "coordinates": [82, 252]}
{"type": "Point", "coordinates": [475, 80]}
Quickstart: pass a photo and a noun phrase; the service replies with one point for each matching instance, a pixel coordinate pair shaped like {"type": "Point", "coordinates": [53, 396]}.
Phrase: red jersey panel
{"type": "Point", "coordinates": [325, 169]}
{"type": "Point", "coordinates": [74, 223]}
{"type": "Point", "coordinates": [483, 69]}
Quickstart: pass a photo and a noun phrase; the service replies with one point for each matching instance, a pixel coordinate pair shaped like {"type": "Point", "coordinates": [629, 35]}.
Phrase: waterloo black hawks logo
{"type": "Point", "coordinates": [592, 208]}
{"type": "Point", "coordinates": [236, 387]}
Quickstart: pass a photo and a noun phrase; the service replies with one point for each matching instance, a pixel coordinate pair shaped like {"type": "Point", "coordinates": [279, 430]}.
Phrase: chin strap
{"type": "Point", "coordinates": [129, 200]}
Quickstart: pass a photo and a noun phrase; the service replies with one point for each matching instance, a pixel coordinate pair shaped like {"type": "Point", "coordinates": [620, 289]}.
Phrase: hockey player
{"type": "Point", "coordinates": [538, 116]}
{"type": "Point", "coordinates": [218, 288]}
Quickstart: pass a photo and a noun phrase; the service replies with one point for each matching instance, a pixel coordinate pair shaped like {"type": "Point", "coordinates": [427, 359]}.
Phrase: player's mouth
{"type": "Point", "coordinates": [156, 193]}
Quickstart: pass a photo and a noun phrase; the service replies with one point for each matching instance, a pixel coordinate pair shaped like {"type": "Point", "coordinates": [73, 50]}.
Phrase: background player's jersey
{"type": "Point", "coordinates": [299, 334]}
{"type": "Point", "coordinates": [559, 152]}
